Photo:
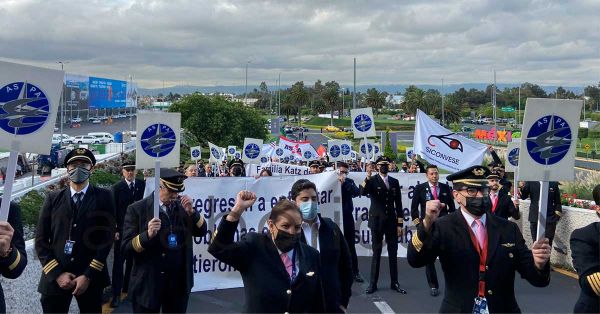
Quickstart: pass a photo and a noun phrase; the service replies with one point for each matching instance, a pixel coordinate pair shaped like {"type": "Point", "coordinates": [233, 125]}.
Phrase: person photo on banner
{"type": "Point", "coordinates": [162, 247]}
{"type": "Point", "coordinates": [280, 272]}
{"type": "Point", "coordinates": [480, 253]}
{"type": "Point", "coordinates": [325, 236]}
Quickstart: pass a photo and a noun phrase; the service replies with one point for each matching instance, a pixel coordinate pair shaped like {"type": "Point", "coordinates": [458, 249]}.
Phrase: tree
{"type": "Point", "coordinates": [433, 102]}
{"type": "Point", "coordinates": [452, 109]}
{"type": "Point", "coordinates": [331, 96]}
{"type": "Point", "coordinates": [298, 97]}
{"type": "Point", "coordinates": [374, 99]}
{"type": "Point", "coordinates": [219, 120]}
{"type": "Point", "coordinates": [414, 99]}
{"type": "Point", "coordinates": [388, 150]}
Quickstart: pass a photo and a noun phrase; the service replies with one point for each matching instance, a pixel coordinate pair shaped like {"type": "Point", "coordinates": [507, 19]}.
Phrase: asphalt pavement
{"type": "Point", "coordinates": [558, 297]}
{"type": "Point", "coordinates": [118, 125]}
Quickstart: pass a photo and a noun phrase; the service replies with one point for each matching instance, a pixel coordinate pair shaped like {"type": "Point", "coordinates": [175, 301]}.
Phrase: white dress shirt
{"type": "Point", "coordinates": [310, 231]}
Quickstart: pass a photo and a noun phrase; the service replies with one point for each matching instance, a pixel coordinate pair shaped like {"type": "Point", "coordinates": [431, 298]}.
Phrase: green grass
{"type": "Point", "coordinates": [380, 124]}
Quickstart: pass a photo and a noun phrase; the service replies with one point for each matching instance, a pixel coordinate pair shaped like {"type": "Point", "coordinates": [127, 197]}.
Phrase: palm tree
{"type": "Point", "coordinates": [414, 99]}
{"type": "Point", "coordinates": [375, 99]}
{"type": "Point", "coordinates": [299, 97]}
{"type": "Point", "coordinates": [331, 96]}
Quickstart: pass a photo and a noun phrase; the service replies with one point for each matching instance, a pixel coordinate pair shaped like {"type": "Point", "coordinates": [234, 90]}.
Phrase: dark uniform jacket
{"type": "Point", "coordinates": [422, 193]}
{"type": "Point", "coordinates": [13, 265]}
{"type": "Point", "coordinates": [585, 250]}
{"type": "Point", "coordinates": [336, 266]}
{"type": "Point", "coordinates": [267, 285]}
{"type": "Point", "coordinates": [507, 253]}
{"type": "Point", "coordinates": [505, 207]}
{"type": "Point", "coordinates": [386, 204]}
{"type": "Point", "coordinates": [349, 191]}
{"type": "Point", "coordinates": [554, 210]}
{"type": "Point", "coordinates": [123, 198]}
{"type": "Point", "coordinates": [150, 255]}
{"type": "Point", "coordinates": [92, 228]}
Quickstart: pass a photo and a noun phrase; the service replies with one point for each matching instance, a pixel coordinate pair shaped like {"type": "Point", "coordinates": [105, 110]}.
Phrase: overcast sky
{"type": "Point", "coordinates": [395, 42]}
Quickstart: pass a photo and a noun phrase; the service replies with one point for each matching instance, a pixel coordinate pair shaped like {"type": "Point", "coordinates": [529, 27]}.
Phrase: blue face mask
{"type": "Point", "coordinates": [309, 210]}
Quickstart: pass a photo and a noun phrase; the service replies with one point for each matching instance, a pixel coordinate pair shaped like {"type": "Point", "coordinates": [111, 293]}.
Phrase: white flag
{"type": "Point", "coordinates": [444, 148]}
{"type": "Point", "coordinates": [216, 153]}
{"type": "Point", "coordinates": [334, 150]}
{"type": "Point", "coordinates": [309, 153]}
{"type": "Point", "coordinates": [363, 123]}
{"type": "Point", "coordinates": [251, 150]}
{"type": "Point", "coordinates": [195, 152]}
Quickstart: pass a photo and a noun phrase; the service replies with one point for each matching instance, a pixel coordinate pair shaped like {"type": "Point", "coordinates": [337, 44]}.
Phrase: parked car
{"type": "Point", "coordinates": [56, 129]}
{"type": "Point", "coordinates": [103, 137]}
{"type": "Point", "coordinates": [85, 139]}
{"type": "Point", "coordinates": [96, 121]}
{"type": "Point", "coordinates": [76, 120]}
{"type": "Point", "coordinates": [103, 118]}
{"type": "Point", "coordinates": [66, 139]}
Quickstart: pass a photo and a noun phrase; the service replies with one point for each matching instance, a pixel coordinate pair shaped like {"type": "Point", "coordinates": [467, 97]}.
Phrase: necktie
{"type": "Point", "coordinates": [287, 262]}
{"type": "Point", "coordinates": [480, 234]}
{"type": "Point", "coordinates": [435, 194]}
{"type": "Point", "coordinates": [131, 188]}
{"type": "Point", "coordinates": [77, 198]}
{"type": "Point", "coordinates": [385, 180]}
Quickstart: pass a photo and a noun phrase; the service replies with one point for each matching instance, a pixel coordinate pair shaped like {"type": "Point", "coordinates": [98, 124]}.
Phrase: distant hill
{"type": "Point", "coordinates": [392, 88]}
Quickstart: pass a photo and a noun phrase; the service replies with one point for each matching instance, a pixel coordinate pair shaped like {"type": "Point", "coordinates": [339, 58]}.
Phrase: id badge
{"type": "Point", "coordinates": [69, 247]}
{"type": "Point", "coordinates": [480, 306]}
{"type": "Point", "coordinates": [172, 240]}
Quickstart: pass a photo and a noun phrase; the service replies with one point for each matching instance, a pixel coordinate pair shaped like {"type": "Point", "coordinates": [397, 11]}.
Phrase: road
{"type": "Point", "coordinates": [558, 297]}
{"type": "Point", "coordinates": [87, 127]}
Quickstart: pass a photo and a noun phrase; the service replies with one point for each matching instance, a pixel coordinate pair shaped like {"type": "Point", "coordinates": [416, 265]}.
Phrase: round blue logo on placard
{"type": "Point", "coordinates": [231, 150]}
{"type": "Point", "coordinates": [158, 140]}
{"type": "Point", "coordinates": [195, 153]}
{"type": "Point", "coordinates": [345, 149]}
{"type": "Point", "coordinates": [264, 159]}
{"type": "Point", "coordinates": [251, 151]}
{"type": "Point", "coordinates": [353, 155]}
{"type": "Point", "coordinates": [549, 140]}
{"type": "Point", "coordinates": [308, 154]}
{"type": "Point", "coordinates": [409, 153]}
{"type": "Point", "coordinates": [335, 151]}
{"type": "Point", "coordinates": [362, 148]}
{"type": "Point", "coordinates": [376, 149]}
{"type": "Point", "coordinates": [24, 108]}
{"type": "Point", "coordinates": [215, 153]}
{"type": "Point", "coordinates": [237, 155]}
{"type": "Point", "coordinates": [513, 157]}
{"type": "Point", "coordinates": [363, 122]}
{"type": "Point", "coordinates": [279, 152]}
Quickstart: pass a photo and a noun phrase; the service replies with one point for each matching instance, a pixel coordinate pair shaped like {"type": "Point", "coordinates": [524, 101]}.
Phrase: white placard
{"type": "Point", "coordinates": [215, 153]}
{"type": "Point", "coordinates": [410, 153]}
{"type": "Point", "coordinates": [363, 123]}
{"type": "Point", "coordinates": [378, 152]}
{"type": "Point", "coordinates": [353, 155]}
{"type": "Point", "coordinates": [334, 150]}
{"type": "Point", "coordinates": [158, 138]}
{"type": "Point", "coordinates": [548, 139]}
{"type": "Point", "coordinates": [363, 151]}
{"type": "Point", "coordinates": [512, 155]}
{"type": "Point", "coordinates": [237, 155]}
{"type": "Point", "coordinates": [346, 147]}
{"type": "Point", "coordinates": [29, 100]}
{"type": "Point", "coordinates": [196, 153]}
{"type": "Point", "coordinates": [251, 150]}
{"type": "Point", "coordinates": [231, 150]}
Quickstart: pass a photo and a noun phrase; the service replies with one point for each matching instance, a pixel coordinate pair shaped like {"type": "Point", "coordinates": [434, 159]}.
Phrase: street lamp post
{"type": "Point", "coordinates": [246, 90]}
{"type": "Point", "coordinates": [62, 108]}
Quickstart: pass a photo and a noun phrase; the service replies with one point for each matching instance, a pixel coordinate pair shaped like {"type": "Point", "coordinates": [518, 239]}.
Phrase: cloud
{"type": "Point", "coordinates": [209, 42]}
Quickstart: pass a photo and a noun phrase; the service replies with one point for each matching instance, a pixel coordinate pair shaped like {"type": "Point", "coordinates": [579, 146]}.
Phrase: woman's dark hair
{"type": "Point", "coordinates": [282, 207]}
{"type": "Point", "coordinates": [596, 194]}
{"type": "Point", "coordinates": [301, 185]}
{"type": "Point", "coordinates": [268, 171]}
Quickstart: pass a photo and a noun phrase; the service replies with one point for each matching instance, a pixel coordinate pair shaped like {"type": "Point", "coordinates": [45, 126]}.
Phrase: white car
{"type": "Point", "coordinates": [85, 139]}
{"type": "Point", "coordinates": [76, 120]}
{"type": "Point", "coordinates": [65, 139]}
{"type": "Point", "coordinates": [96, 121]}
{"type": "Point", "coordinates": [103, 137]}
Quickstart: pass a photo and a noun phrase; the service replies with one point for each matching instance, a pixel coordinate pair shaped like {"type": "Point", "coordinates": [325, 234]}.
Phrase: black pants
{"type": "Point", "coordinates": [120, 283]}
{"type": "Point", "coordinates": [88, 302]}
{"type": "Point", "coordinates": [391, 238]}
{"type": "Point", "coordinates": [171, 304]}
{"type": "Point", "coordinates": [550, 230]}
{"type": "Point", "coordinates": [349, 236]}
{"type": "Point", "coordinates": [432, 276]}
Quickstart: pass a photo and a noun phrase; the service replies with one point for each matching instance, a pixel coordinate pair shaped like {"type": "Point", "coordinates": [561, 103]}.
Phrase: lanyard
{"type": "Point", "coordinates": [294, 265]}
{"type": "Point", "coordinates": [482, 252]}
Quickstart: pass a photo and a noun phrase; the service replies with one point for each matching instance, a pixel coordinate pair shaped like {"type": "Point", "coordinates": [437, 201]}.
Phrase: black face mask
{"type": "Point", "coordinates": [236, 171]}
{"type": "Point", "coordinates": [477, 206]}
{"type": "Point", "coordinates": [384, 169]}
{"type": "Point", "coordinates": [286, 241]}
{"type": "Point", "coordinates": [404, 168]}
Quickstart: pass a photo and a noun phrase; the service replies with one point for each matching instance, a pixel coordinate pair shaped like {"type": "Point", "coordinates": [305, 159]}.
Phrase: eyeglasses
{"type": "Point", "coordinates": [472, 191]}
